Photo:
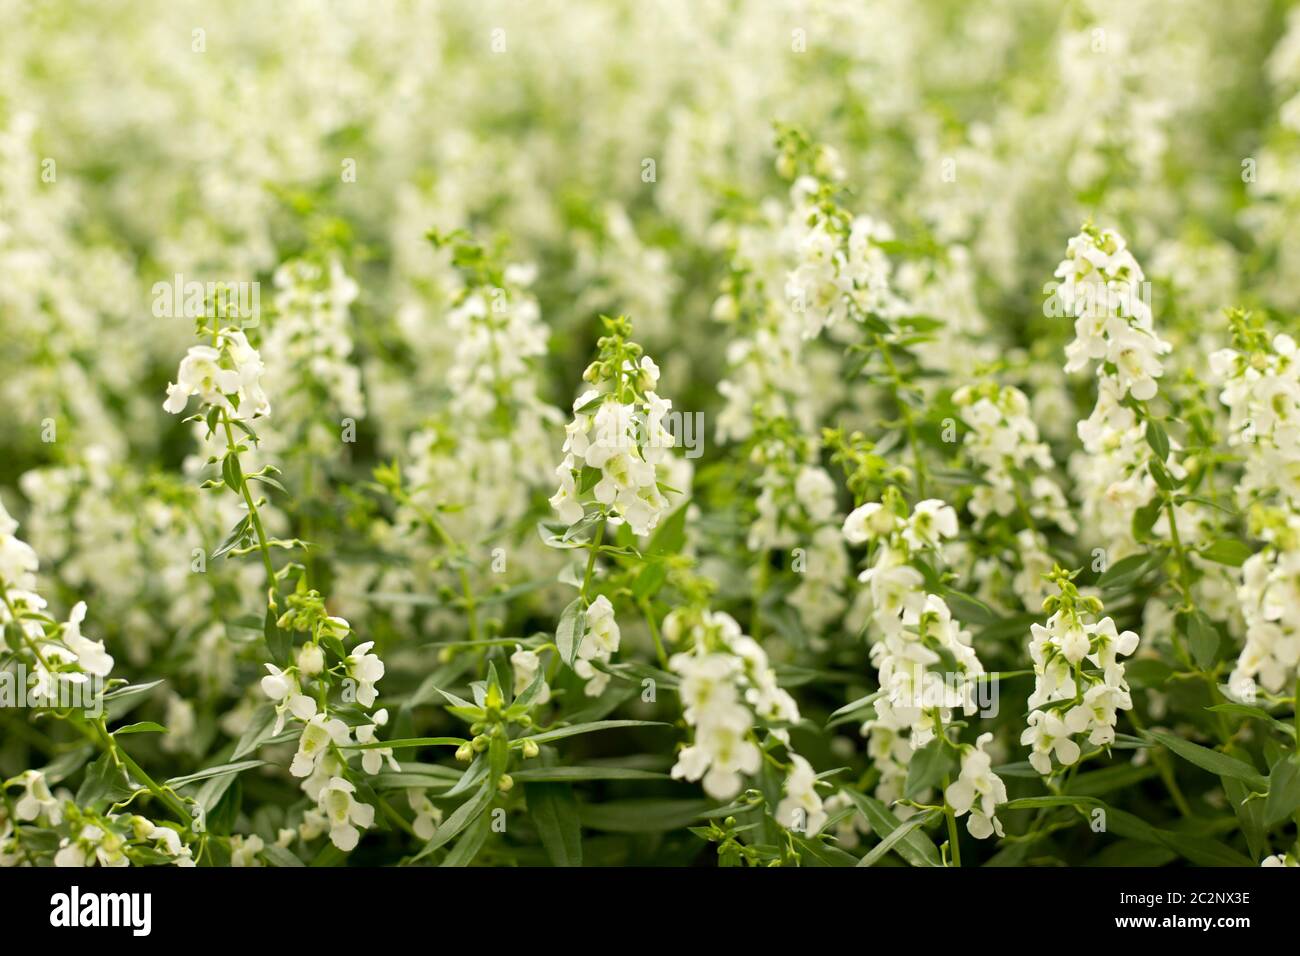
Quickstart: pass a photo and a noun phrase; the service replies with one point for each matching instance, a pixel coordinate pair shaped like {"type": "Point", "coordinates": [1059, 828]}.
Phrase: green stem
{"type": "Point", "coordinates": [1185, 586]}
{"type": "Point", "coordinates": [256, 518]}
{"type": "Point", "coordinates": [909, 423]}
{"type": "Point", "coordinates": [654, 633]}
{"type": "Point", "coordinates": [467, 589]}
{"type": "Point", "coordinates": [593, 548]}
{"type": "Point", "coordinates": [108, 742]}
{"type": "Point", "coordinates": [949, 814]}
{"type": "Point", "coordinates": [13, 616]}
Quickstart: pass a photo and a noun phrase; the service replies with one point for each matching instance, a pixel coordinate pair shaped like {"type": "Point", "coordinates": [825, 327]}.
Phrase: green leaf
{"type": "Point", "coordinates": [1283, 791]}
{"type": "Point", "coordinates": [106, 781]}
{"type": "Point", "coordinates": [474, 774]}
{"type": "Point", "coordinates": [554, 812]}
{"type": "Point", "coordinates": [642, 816]}
{"type": "Point", "coordinates": [568, 633]}
{"type": "Point", "coordinates": [927, 768]}
{"type": "Point", "coordinates": [143, 727]}
{"type": "Point", "coordinates": [856, 705]}
{"type": "Point", "coordinates": [1250, 814]}
{"type": "Point", "coordinates": [1211, 760]}
{"type": "Point", "coordinates": [1227, 551]}
{"type": "Point", "coordinates": [235, 535]}
{"type": "Point", "coordinates": [279, 856]}
{"type": "Point", "coordinates": [231, 473]}
{"type": "Point", "coordinates": [588, 478]}
{"type": "Point", "coordinates": [259, 730]}
{"type": "Point", "coordinates": [1158, 439]}
{"type": "Point", "coordinates": [279, 643]}
{"type": "Point", "coordinates": [1255, 713]}
{"type": "Point", "coordinates": [670, 536]}
{"type": "Point", "coordinates": [1202, 638]}
{"type": "Point", "coordinates": [468, 846]}
{"type": "Point", "coordinates": [823, 854]}
{"type": "Point", "coordinates": [237, 767]}
{"type": "Point", "coordinates": [1144, 519]}
{"type": "Point", "coordinates": [1127, 571]}
{"type": "Point", "coordinates": [464, 815]}
{"type": "Point", "coordinates": [650, 580]}
{"type": "Point", "coordinates": [967, 609]}
{"type": "Point", "coordinates": [915, 848]}
{"type": "Point", "coordinates": [537, 774]}
{"type": "Point", "coordinates": [271, 482]}
{"type": "Point", "coordinates": [498, 757]}
{"type": "Point", "coordinates": [574, 729]}
{"type": "Point", "coordinates": [406, 743]}
{"type": "Point", "coordinates": [895, 836]}
{"type": "Point", "coordinates": [131, 690]}
{"type": "Point", "coordinates": [1119, 777]}
{"type": "Point", "coordinates": [1161, 475]}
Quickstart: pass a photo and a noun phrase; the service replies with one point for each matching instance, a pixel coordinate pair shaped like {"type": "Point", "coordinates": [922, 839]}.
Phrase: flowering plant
{"type": "Point", "coordinates": [655, 446]}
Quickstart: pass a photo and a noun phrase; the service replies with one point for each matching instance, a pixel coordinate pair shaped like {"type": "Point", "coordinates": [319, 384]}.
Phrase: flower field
{"type": "Point", "coordinates": [720, 433]}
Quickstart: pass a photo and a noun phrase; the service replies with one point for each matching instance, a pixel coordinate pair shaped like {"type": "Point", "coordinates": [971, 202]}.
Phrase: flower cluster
{"type": "Point", "coordinates": [914, 630]}
{"type": "Point", "coordinates": [617, 447]}
{"type": "Point", "coordinates": [1070, 697]}
{"type": "Point", "coordinates": [56, 655]}
{"type": "Point", "coordinates": [226, 375]}
{"type": "Point", "coordinates": [728, 689]}
{"type": "Point", "coordinates": [923, 656]}
{"type": "Point", "coordinates": [1260, 381]}
{"type": "Point", "coordinates": [303, 691]}
{"type": "Point", "coordinates": [841, 271]}
{"type": "Point", "coordinates": [1103, 287]}
{"type": "Point", "coordinates": [1004, 442]}
{"type": "Point", "coordinates": [977, 791]}
{"type": "Point", "coordinates": [309, 343]}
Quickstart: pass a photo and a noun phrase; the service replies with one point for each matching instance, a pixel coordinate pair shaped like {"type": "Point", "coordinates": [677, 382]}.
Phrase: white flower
{"type": "Point", "coordinates": [282, 688]}
{"type": "Point", "coordinates": [92, 844]}
{"type": "Point", "coordinates": [526, 664]}
{"type": "Point", "coordinates": [565, 500]}
{"type": "Point", "coordinates": [311, 660]}
{"type": "Point", "coordinates": [372, 759]}
{"type": "Point", "coordinates": [801, 809]}
{"type": "Point", "coordinates": [427, 816]}
{"type": "Point", "coordinates": [723, 672]}
{"type": "Point", "coordinates": [931, 521]}
{"type": "Point", "coordinates": [367, 670]}
{"type": "Point", "coordinates": [977, 790]}
{"type": "Point", "coordinates": [318, 734]}
{"type": "Point", "coordinates": [18, 562]}
{"type": "Point", "coordinates": [201, 374]}
{"type": "Point", "coordinates": [868, 522]}
{"type": "Point", "coordinates": [244, 850]}
{"type": "Point", "coordinates": [36, 799]}
{"type": "Point", "coordinates": [600, 639]}
{"type": "Point", "coordinates": [1048, 735]}
{"type": "Point", "coordinates": [344, 813]}
{"type": "Point", "coordinates": [91, 656]}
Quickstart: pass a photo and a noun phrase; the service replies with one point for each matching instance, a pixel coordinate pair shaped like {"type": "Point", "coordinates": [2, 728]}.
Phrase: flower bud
{"type": "Point", "coordinates": [530, 749]}
{"type": "Point", "coordinates": [311, 660]}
